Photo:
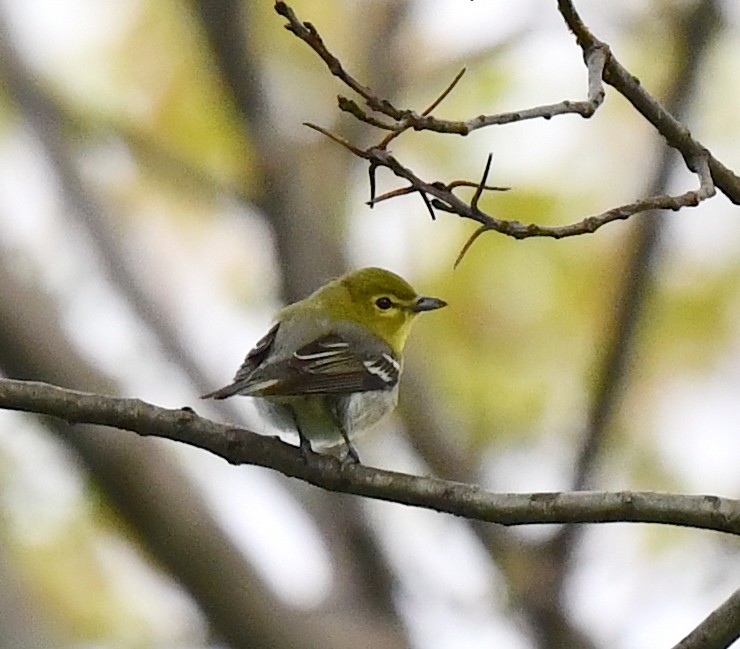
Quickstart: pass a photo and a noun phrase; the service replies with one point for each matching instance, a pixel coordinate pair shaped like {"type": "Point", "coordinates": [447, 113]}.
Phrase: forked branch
{"type": "Point", "coordinates": [438, 195]}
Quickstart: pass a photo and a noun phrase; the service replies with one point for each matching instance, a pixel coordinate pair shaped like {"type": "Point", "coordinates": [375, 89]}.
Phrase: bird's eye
{"type": "Point", "coordinates": [383, 303]}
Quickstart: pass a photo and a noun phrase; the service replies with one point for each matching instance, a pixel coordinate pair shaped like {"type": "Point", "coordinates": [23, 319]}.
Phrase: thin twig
{"type": "Point", "coordinates": [428, 204]}
{"type": "Point", "coordinates": [482, 184]}
{"type": "Point", "coordinates": [468, 245]}
{"type": "Point", "coordinates": [445, 200]}
{"type": "Point", "coordinates": [395, 193]}
{"type": "Point", "coordinates": [470, 183]}
{"type": "Point", "coordinates": [407, 124]}
{"type": "Point", "coordinates": [444, 94]}
{"type": "Point", "coordinates": [338, 139]}
{"type": "Point", "coordinates": [372, 174]}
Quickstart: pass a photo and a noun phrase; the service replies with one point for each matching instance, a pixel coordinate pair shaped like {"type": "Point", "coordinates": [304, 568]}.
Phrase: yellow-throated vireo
{"type": "Point", "coordinates": [330, 365]}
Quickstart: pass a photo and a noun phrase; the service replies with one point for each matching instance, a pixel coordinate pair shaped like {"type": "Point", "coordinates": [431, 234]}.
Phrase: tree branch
{"type": "Point", "coordinates": [675, 132]}
{"type": "Point", "coordinates": [693, 32]}
{"type": "Point", "coordinates": [239, 446]}
{"type": "Point", "coordinates": [719, 629]}
{"type": "Point", "coordinates": [600, 64]}
{"type": "Point", "coordinates": [406, 119]}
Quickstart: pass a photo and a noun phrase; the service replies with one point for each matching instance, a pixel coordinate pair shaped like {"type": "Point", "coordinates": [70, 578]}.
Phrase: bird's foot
{"type": "Point", "coordinates": [350, 457]}
{"type": "Point", "coordinates": [306, 450]}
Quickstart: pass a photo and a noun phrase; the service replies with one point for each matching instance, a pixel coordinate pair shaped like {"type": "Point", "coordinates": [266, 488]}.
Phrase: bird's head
{"type": "Point", "coordinates": [380, 300]}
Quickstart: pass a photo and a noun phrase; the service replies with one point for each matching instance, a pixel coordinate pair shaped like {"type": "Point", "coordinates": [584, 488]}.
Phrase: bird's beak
{"type": "Point", "coordinates": [427, 304]}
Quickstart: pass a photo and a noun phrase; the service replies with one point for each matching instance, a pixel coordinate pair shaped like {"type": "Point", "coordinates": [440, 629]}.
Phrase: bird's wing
{"type": "Point", "coordinates": [331, 364]}
{"type": "Point", "coordinates": [254, 359]}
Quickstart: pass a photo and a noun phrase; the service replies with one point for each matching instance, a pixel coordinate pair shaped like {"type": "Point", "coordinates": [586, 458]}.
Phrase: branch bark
{"type": "Point", "coordinates": [239, 446]}
{"type": "Point", "coordinates": [675, 132]}
{"type": "Point", "coordinates": [600, 64]}
{"type": "Point", "coordinates": [719, 629]}
{"type": "Point", "coordinates": [694, 32]}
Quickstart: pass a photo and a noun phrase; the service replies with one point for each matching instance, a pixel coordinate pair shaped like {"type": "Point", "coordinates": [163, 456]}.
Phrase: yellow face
{"type": "Point", "coordinates": [392, 317]}
{"type": "Point", "coordinates": [380, 300]}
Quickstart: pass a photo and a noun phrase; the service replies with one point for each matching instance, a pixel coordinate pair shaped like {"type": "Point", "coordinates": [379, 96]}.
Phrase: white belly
{"type": "Point", "coordinates": [356, 412]}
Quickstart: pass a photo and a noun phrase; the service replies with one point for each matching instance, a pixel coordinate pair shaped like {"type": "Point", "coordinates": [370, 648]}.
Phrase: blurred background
{"type": "Point", "coordinates": [159, 199]}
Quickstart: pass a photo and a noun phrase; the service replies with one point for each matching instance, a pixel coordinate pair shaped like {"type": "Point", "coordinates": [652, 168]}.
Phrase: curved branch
{"type": "Point", "coordinates": [239, 446]}
{"type": "Point", "coordinates": [446, 201]}
{"type": "Point", "coordinates": [405, 119]}
{"type": "Point", "coordinates": [675, 132]}
{"type": "Point", "coordinates": [601, 65]}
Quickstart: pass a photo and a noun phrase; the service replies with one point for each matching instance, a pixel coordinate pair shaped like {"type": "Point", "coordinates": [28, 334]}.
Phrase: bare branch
{"type": "Point", "coordinates": [468, 244]}
{"type": "Point", "coordinates": [239, 446]}
{"type": "Point", "coordinates": [351, 107]}
{"type": "Point", "coordinates": [307, 33]}
{"type": "Point", "coordinates": [448, 202]}
{"type": "Point", "coordinates": [676, 134]}
{"type": "Point", "coordinates": [719, 629]}
{"type": "Point", "coordinates": [600, 63]}
{"type": "Point", "coordinates": [444, 94]}
{"type": "Point", "coordinates": [595, 59]}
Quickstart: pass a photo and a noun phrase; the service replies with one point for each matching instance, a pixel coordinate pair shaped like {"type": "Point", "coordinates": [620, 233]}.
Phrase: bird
{"type": "Point", "coordinates": [330, 365]}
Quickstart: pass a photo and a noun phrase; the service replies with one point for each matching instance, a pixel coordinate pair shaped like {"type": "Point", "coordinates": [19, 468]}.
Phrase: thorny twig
{"type": "Point", "coordinates": [404, 191]}
{"type": "Point", "coordinates": [446, 201]}
{"type": "Point", "coordinates": [600, 64]}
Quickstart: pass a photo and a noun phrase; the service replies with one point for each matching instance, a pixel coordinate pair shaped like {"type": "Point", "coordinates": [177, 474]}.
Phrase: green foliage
{"type": "Point", "coordinates": [518, 338]}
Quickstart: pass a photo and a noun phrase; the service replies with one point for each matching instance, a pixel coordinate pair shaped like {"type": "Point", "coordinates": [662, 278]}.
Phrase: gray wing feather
{"type": "Point", "coordinates": [330, 365]}
{"type": "Point", "coordinates": [254, 359]}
